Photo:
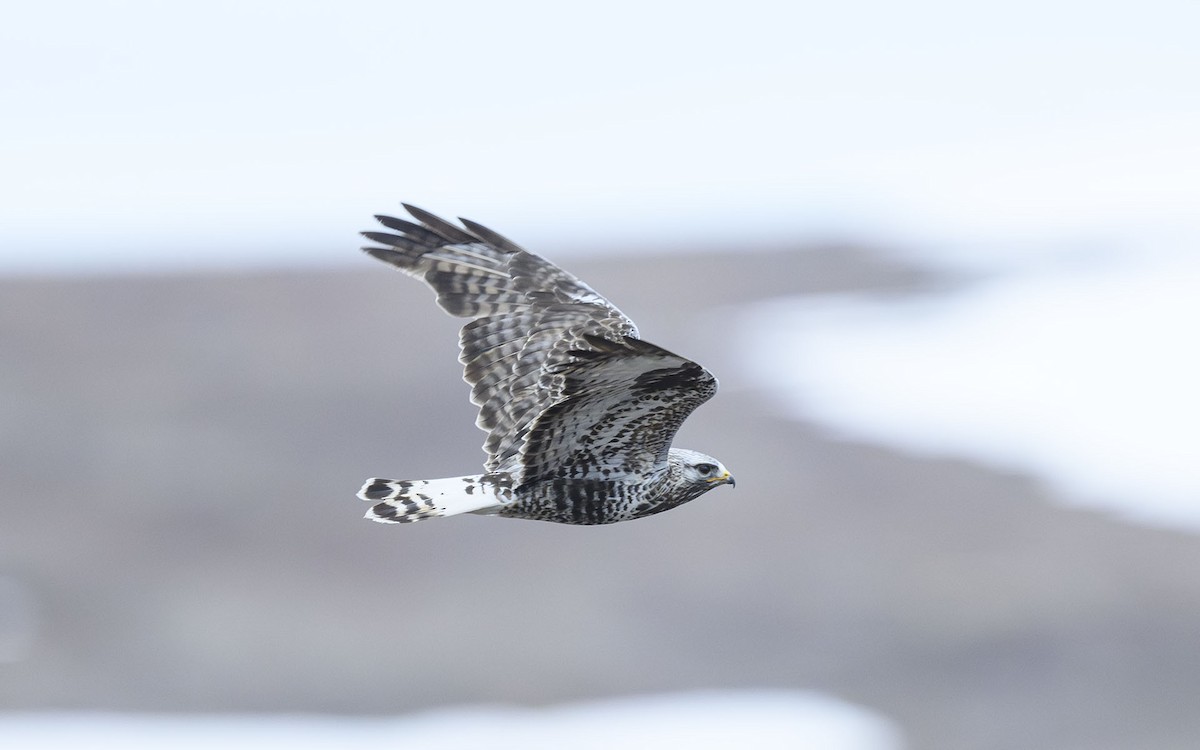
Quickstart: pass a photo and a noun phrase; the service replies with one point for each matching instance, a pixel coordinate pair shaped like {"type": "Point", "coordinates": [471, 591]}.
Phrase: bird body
{"type": "Point", "coordinates": [580, 412]}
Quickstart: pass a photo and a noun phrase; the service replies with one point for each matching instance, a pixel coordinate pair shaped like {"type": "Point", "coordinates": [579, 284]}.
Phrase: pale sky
{"type": "Point", "coordinates": [142, 134]}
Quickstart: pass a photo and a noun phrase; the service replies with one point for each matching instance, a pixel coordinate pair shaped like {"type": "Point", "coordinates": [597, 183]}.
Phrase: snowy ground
{"type": "Point", "coordinates": [1083, 372]}
{"type": "Point", "coordinates": [753, 720]}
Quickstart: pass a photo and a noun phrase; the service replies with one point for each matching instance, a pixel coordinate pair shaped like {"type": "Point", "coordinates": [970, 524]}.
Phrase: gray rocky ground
{"type": "Point", "coordinates": [180, 456]}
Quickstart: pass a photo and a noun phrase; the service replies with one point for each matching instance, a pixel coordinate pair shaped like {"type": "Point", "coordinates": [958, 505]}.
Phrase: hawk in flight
{"type": "Point", "coordinates": [579, 411]}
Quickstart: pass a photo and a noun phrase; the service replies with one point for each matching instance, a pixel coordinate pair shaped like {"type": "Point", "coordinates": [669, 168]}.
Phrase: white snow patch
{"type": "Point", "coordinates": [755, 720]}
{"type": "Point", "coordinates": [1085, 377]}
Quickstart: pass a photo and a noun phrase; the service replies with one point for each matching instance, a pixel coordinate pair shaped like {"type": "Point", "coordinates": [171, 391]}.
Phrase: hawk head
{"type": "Point", "coordinates": [699, 471]}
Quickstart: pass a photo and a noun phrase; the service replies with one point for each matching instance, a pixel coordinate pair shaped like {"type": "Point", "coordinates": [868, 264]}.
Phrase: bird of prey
{"type": "Point", "coordinates": [579, 411]}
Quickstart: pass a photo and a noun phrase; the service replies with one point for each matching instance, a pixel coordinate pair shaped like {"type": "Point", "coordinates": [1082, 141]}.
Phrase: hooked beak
{"type": "Point", "coordinates": [725, 478]}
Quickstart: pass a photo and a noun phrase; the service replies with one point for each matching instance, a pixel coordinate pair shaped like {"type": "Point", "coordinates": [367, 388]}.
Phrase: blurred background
{"type": "Point", "coordinates": [942, 257]}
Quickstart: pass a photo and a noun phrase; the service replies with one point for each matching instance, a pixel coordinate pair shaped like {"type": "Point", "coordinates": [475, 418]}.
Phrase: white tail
{"type": "Point", "coordinates": [411, 500]}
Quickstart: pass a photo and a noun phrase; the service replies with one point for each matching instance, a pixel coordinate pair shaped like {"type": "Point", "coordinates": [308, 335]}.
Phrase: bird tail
{"type": "Point", "coordinates": [411, 500]}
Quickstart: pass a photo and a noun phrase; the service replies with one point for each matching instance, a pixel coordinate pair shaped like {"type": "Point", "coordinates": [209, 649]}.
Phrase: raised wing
{"type": "Point", "coordinates": [617, 406]}
{"type": "Point", "coordinates": [528, 314]}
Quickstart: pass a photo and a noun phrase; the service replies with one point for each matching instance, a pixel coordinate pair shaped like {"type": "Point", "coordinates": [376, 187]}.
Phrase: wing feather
{"type": "Point", "coordinates": [490, 237]}
{"type": "Point", "coordinates": [448, 231]}
{"type": "Point", "coordinates": [617, 406]}
{"type": "Point", "coordinates": [530, 318]}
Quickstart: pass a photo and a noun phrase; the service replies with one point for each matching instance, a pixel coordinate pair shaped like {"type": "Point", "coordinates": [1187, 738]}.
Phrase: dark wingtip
{"type": "Point", "coordinates": [383, 238]}
{"type": "Point", "coordinates": [391, 222]}
{"type": "Point", "coordinates": [491, 236]}
{"type": "Point", "coordinates": [449, 232]}
{"type": "Point", "coordinates": [387, 255]}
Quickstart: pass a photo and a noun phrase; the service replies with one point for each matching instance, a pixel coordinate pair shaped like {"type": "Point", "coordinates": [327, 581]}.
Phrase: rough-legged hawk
{"type": "Point", "coordinates": [579, 411]}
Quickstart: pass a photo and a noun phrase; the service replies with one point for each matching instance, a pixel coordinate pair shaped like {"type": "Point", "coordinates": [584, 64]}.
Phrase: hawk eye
{"type": "Point", "coordinates": [705, 469]}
